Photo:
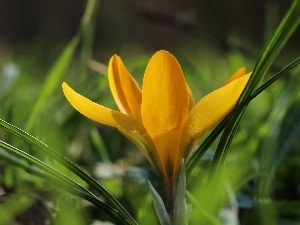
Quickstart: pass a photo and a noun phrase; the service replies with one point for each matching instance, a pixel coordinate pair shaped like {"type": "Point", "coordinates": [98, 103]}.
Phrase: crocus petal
{"type": "Point", "coordinates": [164, 94]}
{"type": "Point", "coordinates": [129, 126]}
{"type": "Point", "coordinates": [124, 88]}
{"type": "Point", "coordinates": [240, 72]}
{"type": "Point", "coordinates": [191, 98]}
{"type": "Point", "coordinates": [164, 102]}
{"type": "Point", "coordinates": [210, 110]}
{"type": "Point", "coordinates": [168, 146]}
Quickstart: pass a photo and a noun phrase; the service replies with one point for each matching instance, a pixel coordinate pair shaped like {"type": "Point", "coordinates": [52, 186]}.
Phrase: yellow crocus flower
{"type": "Point", "coordinates": [161, 119]}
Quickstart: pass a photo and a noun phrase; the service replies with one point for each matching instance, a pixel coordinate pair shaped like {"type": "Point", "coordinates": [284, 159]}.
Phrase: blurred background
{"type": "Point", "coordinates": [132, 27]}
{"type": "Point", "coordinates": [210, 39]}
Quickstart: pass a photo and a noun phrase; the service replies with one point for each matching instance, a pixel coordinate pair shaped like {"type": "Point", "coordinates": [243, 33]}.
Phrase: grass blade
{"type": "Point", "coordinates": [159, 206]}
{"type": "Point", "coordinates": [37, 144]}
{"type": "Point", "coordinates": [43, 170]}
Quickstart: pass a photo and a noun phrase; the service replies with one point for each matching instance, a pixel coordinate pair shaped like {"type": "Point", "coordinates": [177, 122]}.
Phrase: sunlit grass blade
{"type": "Point", "coordinates": [196, 157]}
{"type": "Point", "coordinates": [40, 146]}
{"type": "Point", "coordinates": [53, 80]}
{"type": "Point", "coordinates": [285, 29]}
{"type": "Point", "coordinates": [43, 170]}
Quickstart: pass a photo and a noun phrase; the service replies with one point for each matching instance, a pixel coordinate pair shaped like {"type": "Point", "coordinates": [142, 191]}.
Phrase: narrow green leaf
{"type": "Point", "coordinates": [40, 146]}
{"type": "Point", "coordinates": [159, 206]}
{"type": "Point", "coordinates": [182, 210]}
{"type": "Point", "coordinates": [270, 81]}
{"type": "Point", "coordinates": [43, 170]}
{"type": "Point", "coordinates": [281, 35]}
{"type": "Point", "coordinates": [53, 79]}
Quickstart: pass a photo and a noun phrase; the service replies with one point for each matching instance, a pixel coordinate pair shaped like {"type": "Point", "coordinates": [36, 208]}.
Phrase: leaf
{"type": "Point", "coordinates": [40, 146]}
{"type": "Point", "coordinates": [37, 167]}
{"type": "Point", "coordinates": [182, 210]}
{"type": "Point", "coordinates": [159, 206]}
